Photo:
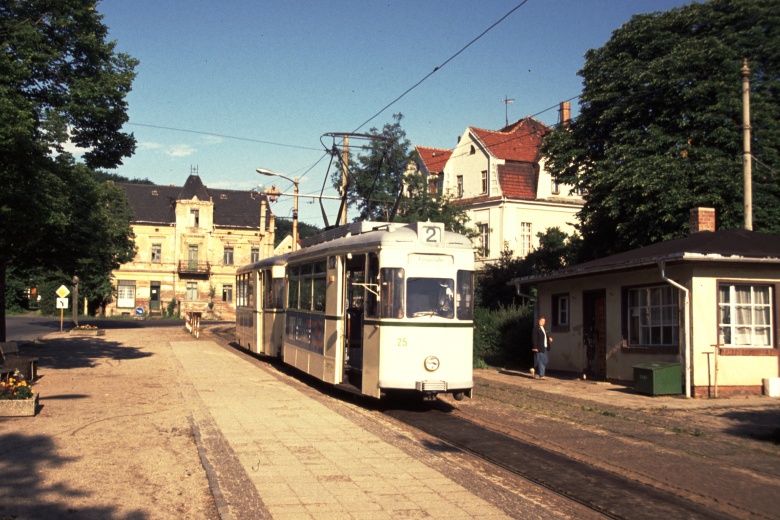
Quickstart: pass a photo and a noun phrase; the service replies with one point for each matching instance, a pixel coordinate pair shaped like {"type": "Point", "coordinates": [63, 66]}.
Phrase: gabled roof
{"type": "Point", "coordinates": [519, 141]}
{"type": "Point", "coordinates": [733, 245]}
{"type": "Point", "coordinates": [153, 204]}
{"type": "Point", "coordinates": [434, 159]}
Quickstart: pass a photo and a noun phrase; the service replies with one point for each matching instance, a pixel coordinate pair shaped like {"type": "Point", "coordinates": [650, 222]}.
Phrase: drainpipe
{"type": "Point", "coordinates": [688, 349]}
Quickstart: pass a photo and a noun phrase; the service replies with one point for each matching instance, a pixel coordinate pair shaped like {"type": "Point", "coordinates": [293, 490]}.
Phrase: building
{"type": "Point", "coordinates": [500, 179]}
{"type": "Point", "coordinates": [707, 302]}
{"type": "Point", "coordinates": [189, 242]}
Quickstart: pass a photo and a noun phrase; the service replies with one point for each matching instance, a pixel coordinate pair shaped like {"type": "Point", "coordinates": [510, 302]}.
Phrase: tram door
{"type": "Point", "coordinates": [355, 278]}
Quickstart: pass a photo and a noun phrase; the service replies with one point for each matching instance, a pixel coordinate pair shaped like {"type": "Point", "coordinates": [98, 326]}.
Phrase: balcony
{"type": "Point", "coordinates": [190, 268]}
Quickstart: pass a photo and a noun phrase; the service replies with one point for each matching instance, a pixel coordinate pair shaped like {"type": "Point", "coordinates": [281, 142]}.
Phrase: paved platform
{"type": "Point", "coordinates": [304, 459]}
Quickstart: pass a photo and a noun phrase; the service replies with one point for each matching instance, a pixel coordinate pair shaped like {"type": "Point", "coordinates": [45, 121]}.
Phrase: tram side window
{"type": "Point", "coordinates": [372, 281]}
{"type": "Point", "coordinates": [292, 295]}
{"type": "Point", "coordinates": [274, 292]}
{"type": "Point", "coordinates": [305, 281]}
{"type": "Point", "coordinates": [465, 295]}
{"type": "Point", "coordinates": [250, 298]}
{"type": "Point", "coordinates": [318, 286]}
{"type": "Point", "coordinates": [392, 292]}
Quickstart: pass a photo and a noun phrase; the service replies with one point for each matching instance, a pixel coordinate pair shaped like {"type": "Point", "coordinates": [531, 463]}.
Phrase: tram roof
{"type": "Point", "coordinates": [358, 235]}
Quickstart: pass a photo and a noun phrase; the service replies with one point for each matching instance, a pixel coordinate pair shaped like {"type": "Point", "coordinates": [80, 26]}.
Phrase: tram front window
{"type": "Point", "coordinates": [430, 297]}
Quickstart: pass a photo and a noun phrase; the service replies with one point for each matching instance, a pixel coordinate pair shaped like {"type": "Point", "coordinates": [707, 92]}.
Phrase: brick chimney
{"type": "Point", "coordinates": [702, 219]}
{"type": "Point", "coordinates": [564, 113]}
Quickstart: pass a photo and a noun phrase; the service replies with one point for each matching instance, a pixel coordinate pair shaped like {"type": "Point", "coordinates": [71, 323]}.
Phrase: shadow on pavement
{"type": "Point", "coordinates": [81, 352]}
{"type": "Point", "coordinates": [22, 458]}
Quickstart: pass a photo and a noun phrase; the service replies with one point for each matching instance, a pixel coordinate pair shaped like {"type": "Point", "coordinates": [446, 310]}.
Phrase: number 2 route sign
{"type": "Point", "coordinates": [62, 292]}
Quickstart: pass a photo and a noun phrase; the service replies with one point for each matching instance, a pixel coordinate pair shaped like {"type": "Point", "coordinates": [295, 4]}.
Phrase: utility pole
{"type": "Point", "coordinates": [506, 101]}
{"type": "Point", "coordinates": [746, 155]}
{"type": "Point", "coordinates": [345, 160]}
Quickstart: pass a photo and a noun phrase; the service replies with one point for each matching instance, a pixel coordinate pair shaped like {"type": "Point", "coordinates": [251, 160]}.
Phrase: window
{"type": "Point", "coordinates": [556, 188]}
{"type": "Point", "coordinates": [192, 291]}
{"type": "Point", "coordinates": [156, 253]}
{"type": "Point", "coordinates": [392, 292]}
{"type": "Point", "coordinates": [525, 239]}
{"type": "Point", "coordinates": [560, 314]}
{"type": "Point", "coordinates": [227, 293]}
{"type": "Point", "coordinates": [125, 293]}
{"type": "Point", "coordinates": [653, 316]}
{"type": "Point", "coordinates": [192, 257]}
{"type": "Point", "coordinates": [460, 186]}
{"type": "Point", "coordinates": [483, 249]}
{"type": "Point", "coordinates": [465, 295]}
{"type": "Point", "coordinates": [254, 255]}
{"type": "Point", "coordinates": [194, 218]}
{"type": "Point", "coordinates": [484, 181]}
{"type": "Point", "coordinates": [745, 315]}
{"type": "Point", "coordinates": [427, 297]}
{"type": "Point", "coordinates": [227, 258]}
{"type": "Point", "coordinates": [307, 287]}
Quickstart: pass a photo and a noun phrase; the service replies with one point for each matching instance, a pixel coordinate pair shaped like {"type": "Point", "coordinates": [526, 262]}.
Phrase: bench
{"type": "Point", "coordinates": [13, 361]}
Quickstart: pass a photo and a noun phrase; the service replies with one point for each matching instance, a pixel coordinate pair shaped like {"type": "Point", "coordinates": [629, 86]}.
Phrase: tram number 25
{"type": "Point", "coordinates": [431, 234]}
{"type": "Point", "coordinates": [402, 342]}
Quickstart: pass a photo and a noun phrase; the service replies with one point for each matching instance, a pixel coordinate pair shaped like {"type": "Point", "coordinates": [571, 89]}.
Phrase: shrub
{"type": "Point", "coordinates": [502, 337]}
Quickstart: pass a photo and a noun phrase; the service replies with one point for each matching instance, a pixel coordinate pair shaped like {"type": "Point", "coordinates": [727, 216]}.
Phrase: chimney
{"type": "Point", "coordinates": [564, 113]}
{"type": "Point", "coordinates": [702, 219]}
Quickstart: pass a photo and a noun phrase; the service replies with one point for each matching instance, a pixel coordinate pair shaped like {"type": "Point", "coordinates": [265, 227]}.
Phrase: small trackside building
{"type": "Point", "coordinates": [708, 301]}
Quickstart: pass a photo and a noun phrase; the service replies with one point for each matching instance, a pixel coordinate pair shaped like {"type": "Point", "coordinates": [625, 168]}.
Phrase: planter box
{"type": "Point", "coordinates": [87, 332]}
{"type": "Point", "coordinates": [18, 407]}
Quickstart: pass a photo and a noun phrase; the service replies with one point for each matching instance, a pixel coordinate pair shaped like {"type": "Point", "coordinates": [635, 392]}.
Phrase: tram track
{"type": "Point", "coordinates": [602, 491]}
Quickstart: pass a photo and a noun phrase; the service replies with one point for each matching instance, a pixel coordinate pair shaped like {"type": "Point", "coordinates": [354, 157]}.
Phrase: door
{"type": "Point", "coordinates": [192, 258]}
{"type": "Point", "coordinates": [594, 319]}
{"type": "Point", "coordinates": [355, 271]}
{"type": "Point", "coordinates": [154, 297]}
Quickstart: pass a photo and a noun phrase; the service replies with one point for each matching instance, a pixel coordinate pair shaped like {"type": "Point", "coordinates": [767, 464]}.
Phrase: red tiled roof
{"type": "Point", "coordinates": [518, 180]}
{"type": "Point", "coordinates": [519, 141]}
{"type": "Point", "coordinates": [434, 159]}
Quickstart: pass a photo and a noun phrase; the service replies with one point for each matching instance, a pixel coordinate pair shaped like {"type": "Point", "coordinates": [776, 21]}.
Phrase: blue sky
{"type": "Point", "coordinates": [232, 86]}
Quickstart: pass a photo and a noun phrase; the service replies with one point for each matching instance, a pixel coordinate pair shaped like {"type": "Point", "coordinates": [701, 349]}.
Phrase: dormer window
{"type": "Point", "coordinates": [223, 197]}
{"type": "Point", "coordinates": [154, 193]}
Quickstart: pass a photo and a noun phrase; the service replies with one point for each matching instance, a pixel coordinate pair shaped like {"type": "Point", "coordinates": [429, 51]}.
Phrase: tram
{"type": "Point", "coordinates": [380, 307]}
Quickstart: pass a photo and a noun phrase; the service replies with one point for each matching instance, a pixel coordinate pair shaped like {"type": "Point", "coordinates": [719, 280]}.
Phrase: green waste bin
{"type": "Point", "coordinates": [658, 378]}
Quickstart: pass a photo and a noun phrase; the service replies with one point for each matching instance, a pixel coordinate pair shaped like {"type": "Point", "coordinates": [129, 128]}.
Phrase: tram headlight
{"type": "Point", "coordinates": [431, 363]}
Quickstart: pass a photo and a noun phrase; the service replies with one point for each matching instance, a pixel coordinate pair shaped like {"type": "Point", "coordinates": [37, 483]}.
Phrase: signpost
{"type": "Point", "coordinates": [62, 301]}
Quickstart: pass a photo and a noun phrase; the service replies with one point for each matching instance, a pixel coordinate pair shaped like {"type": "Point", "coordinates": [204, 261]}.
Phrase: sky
{"type": "Point", "coordinates": [223, 88]}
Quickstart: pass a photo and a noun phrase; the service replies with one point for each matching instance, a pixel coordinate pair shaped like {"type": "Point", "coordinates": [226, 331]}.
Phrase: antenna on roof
{"type": "Point", "coordinates": [506, 102]}
{"type": "Point", "coordinates": [194, 170]}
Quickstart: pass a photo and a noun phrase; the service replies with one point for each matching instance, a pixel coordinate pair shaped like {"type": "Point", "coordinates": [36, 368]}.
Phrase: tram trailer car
{"type": "Point", "coordinates": [383, 307]}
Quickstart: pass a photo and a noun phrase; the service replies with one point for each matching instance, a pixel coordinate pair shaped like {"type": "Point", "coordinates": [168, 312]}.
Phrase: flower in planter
{"type": "Point", "coordinates": [15, 389]}
{"type": "Point", "coordinates": [85, 327]}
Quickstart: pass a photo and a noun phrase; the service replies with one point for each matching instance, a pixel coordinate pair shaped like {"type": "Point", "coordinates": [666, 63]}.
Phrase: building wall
{"type": "Point", "coordinates": [175, 241]}
{"type": "Point", "coordinates": [739, 370]}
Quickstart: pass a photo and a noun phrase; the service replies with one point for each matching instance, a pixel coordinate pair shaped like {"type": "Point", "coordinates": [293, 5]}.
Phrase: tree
{"type": "Point", "coordinates": [59, 79]}
{"type": "Point", "coordinates": [660, 125]}
{"type": "Point", "coordinates": [383, 187]}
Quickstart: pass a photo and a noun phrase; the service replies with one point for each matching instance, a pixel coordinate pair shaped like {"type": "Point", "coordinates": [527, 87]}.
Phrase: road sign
{"type": "Point", "coordinates": [139, 311]}
{"type": "Point", "coordinates": [62, 303]}
{"type": "Point", "coordinates": [62, 292]}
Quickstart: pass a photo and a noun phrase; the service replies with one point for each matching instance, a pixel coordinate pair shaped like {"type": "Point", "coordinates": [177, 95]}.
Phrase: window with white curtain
{"type": "Point", "coordinates": [745, 315]}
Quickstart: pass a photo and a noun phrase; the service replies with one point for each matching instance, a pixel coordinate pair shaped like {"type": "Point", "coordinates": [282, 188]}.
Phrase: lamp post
{"type": "Point", "coordinates": [263, 171]}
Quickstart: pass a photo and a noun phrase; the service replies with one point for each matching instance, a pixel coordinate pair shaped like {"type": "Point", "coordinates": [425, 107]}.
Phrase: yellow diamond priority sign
{"type": "Point", "coordinates": [63, 291]}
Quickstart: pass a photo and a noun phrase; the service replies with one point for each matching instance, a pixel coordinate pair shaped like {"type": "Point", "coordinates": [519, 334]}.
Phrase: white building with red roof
{"type": "Point", "coordinates": [499, 177]}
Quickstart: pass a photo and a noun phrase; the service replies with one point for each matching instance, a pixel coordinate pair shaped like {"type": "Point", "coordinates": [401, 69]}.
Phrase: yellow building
{"type": "Point", "coordinates": [189, 242]}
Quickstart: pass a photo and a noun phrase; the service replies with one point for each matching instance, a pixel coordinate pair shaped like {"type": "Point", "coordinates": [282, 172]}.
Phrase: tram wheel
{"type": "Point", "coordinates": [458, 396]}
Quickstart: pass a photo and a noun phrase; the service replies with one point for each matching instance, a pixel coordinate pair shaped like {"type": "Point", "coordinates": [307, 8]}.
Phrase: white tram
{"type": "Point", "coordinates": [380, 306]}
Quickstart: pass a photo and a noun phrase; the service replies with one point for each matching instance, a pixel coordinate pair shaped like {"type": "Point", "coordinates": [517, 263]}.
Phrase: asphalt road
{"type": "Point", "coordinates": [27, 328]}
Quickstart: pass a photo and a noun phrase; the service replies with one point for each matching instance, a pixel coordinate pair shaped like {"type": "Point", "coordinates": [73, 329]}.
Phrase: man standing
{"type": "Point", "coordinates": [540, 344]}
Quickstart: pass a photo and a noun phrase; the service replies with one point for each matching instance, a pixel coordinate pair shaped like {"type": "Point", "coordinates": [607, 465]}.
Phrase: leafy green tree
{"type": "Point", "coordinates": [660, 125]}
{"type": "Point", "coordinates": [382, 186]}
{"type": "Point", "coordinates": [60, 79]}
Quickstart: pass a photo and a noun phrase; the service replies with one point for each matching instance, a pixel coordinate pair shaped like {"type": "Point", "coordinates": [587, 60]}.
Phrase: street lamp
{"type": "Point", "coordinates": [263, 171]}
